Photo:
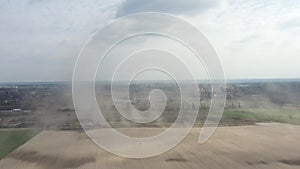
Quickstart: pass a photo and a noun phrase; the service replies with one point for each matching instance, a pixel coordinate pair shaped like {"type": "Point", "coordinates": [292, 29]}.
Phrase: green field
{"type": "Point", "coordinates": [291, 116]}
{"type": "Point", "coordinates": [12, 139]}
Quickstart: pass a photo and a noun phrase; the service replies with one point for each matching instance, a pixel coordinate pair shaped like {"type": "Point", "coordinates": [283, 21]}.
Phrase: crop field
{"type": "Point", "coordinates": [261, 146]}
{"type": "Point", "coordinates": [10, 139]}
{"type": "Point", "coordinates": [283, 115]}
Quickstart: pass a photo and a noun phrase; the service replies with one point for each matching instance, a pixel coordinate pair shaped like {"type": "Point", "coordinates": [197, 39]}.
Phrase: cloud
{"type": "Point", "coordinates": [290, 23]}
{"type": "Point", "coordinates": [41, 39]}
{"type": "Point", "coordinates": [179, 7]}
{"type": "Point", "coordinates": [246, 39]}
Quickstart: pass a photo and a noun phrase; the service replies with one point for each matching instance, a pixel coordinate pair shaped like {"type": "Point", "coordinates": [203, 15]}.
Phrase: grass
{"type": "Point", "coordinates": [12, 139]}
{"type": "Point", "coordinates": [281, 115]}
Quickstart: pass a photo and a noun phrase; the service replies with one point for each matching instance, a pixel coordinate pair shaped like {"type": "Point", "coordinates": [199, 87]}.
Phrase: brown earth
{"type": "Point", "coordinates": [270, 145]}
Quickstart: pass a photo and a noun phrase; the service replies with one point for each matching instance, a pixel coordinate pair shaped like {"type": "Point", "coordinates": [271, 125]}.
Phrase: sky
{"type": "Point", "coordinates": [40, 40]}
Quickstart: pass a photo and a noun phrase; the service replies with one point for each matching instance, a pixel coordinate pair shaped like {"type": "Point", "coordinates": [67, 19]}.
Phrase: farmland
{"type": "Point", "coordinates": [259, 127]}
{"type": "Point", "coordinates": [13, 138]}
{"type": "Point", "coordinates": [263, 146]}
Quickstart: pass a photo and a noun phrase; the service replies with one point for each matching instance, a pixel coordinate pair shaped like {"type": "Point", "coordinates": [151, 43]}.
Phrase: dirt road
{"type": "Point", "coordinates": [270, 145]}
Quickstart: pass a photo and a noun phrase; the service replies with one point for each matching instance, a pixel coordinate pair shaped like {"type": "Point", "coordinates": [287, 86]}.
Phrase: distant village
{"type": "Point", "coordinates": [33, 104]}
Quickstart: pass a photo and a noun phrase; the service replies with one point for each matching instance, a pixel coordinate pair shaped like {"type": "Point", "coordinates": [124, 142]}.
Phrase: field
{"type": "Point", "coordinates": [247, 136]}
{"type": "Point", "coordinates": [282, 115]}
{"type": "Point", "coordinates": [10, 139]}
{"type": "Point", "coordinates": [265, 145]}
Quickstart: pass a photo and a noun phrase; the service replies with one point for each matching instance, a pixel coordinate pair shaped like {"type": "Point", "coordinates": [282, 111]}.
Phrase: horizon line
{"type": "Point", "coordinates": [198, 80]}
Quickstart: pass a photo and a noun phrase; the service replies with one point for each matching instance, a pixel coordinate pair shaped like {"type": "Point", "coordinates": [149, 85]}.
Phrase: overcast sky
{"type": "Point", "coordinates": [40, 39]}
